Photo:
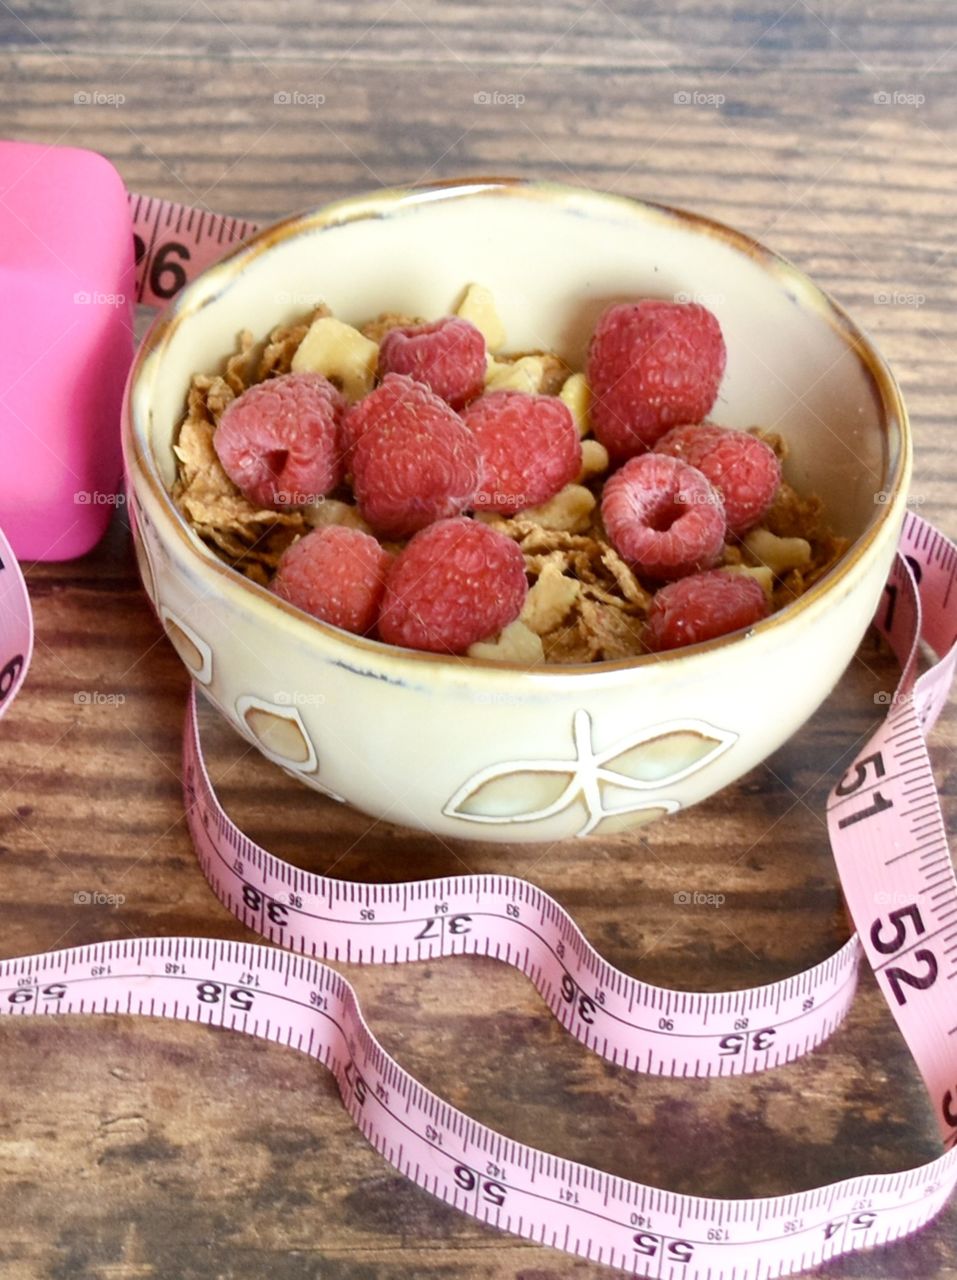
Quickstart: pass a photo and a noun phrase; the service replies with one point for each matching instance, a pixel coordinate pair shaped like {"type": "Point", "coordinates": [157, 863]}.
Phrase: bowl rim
{"type": "Point", "coordinates": [195, 295]}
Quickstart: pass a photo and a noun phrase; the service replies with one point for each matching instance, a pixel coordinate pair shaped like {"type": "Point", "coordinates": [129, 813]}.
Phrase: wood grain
{"type": "Point", "coordinates": [138, 1149]}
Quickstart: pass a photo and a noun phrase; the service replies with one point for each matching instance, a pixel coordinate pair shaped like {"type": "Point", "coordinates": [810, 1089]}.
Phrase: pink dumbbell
{"type": "Point", "coordinates": [66, 343]}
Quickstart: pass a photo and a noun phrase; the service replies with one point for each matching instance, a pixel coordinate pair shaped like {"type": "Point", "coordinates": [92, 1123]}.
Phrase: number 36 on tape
{"type": "Point", "coordinates": [174, 242]}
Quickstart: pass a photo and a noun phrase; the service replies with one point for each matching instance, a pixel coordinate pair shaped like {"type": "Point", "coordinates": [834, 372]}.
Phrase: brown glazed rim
{"type": "Point", "coordinates": [382, 204]}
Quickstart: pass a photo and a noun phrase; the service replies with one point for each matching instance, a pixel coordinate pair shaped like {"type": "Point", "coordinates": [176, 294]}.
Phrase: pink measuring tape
{"type": "Point", "coordinates": [890, 845]}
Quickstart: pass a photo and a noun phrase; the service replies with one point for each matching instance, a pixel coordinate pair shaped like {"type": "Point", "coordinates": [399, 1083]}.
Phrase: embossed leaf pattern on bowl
{"type": "Point", "coordinates": [612, 787]}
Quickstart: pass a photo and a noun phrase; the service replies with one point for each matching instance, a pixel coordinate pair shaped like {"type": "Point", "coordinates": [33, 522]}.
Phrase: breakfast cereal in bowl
{"type": "Point", "coordinates": [511, 511]}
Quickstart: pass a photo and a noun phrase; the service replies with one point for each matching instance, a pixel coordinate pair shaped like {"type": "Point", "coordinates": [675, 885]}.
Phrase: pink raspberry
{"type": "Point", "coordinates": [743, 469]}
{"type": "Point", "coordinates": [447, 355]}
{"type": "Point", "coordinates": [703, 607]}
{"type": "Point", "coordinates": [652, 365]}
{"type": "Point", "coordinates": [336, 574]}
{"type": "Point", "coordinates": [278, 441]}
{"type": "Point", "coordinates": [529, 445]}
{"type": "Point", "coordinates": [413, 460]}
{"type": "Point", "coordinates": [397, 397]}
{"type": "Point", "coordinates": [663, 516]}
{"type": "Point", "coordinates": [458, 581]}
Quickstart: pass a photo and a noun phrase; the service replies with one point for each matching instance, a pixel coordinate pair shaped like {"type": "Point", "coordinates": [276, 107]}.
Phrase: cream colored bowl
{"type": "Point", "coordinates": [477, 749]}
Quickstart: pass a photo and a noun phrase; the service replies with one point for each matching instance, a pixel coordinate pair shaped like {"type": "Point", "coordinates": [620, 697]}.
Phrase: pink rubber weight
{"type": "Point", "coordinates": [66, 343]}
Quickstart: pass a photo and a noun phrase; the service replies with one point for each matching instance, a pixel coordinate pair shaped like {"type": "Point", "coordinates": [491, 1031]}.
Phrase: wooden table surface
{"type": "Point", "coordinates": [141, 1149]}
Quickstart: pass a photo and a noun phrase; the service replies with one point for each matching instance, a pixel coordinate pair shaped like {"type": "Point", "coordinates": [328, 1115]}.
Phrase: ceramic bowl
{"type": "Point", "coordinates": [481, 750]}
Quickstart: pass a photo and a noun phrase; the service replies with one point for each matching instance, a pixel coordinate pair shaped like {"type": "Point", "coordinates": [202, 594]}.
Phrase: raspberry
{"type": "Point", "coordinates": [278, 441]}
{"type": "Point", "coordinates": [397, 397]}
{"type": "Point", "coordinates": [702, 607]}
{"type": "Point", "coordinates": [413, 460]}
{"type": "Point", "coordinates": [530, 448]}
{"type": "Point", "coordinates": [447, 355]}
{"type": "Point", "coordinates": [457, 582]}
{"type": "Point", "coordinates": [663, 516]}
{"type": "Point", "coordinates": [743, 469]}
{"type": "Point", "coordinates": [336, 574]}
{"type": "Point", "coordinates": [652, 365]}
